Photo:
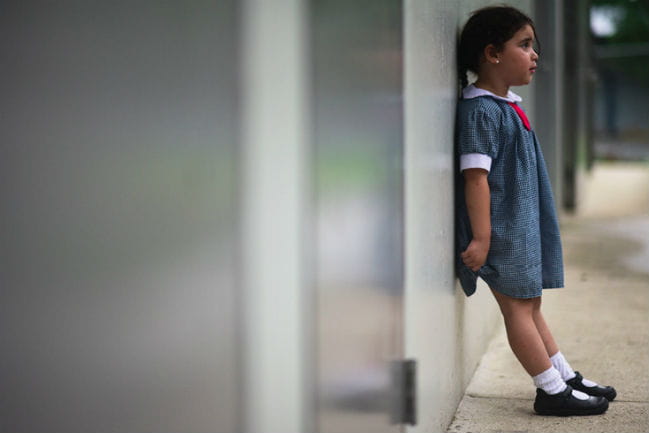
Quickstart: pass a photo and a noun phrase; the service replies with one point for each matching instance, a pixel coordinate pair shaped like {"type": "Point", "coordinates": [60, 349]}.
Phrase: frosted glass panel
{"type": "Point", "coordinates": [358, 121]}
{"type": "Point", "coordinates": [117, 155]}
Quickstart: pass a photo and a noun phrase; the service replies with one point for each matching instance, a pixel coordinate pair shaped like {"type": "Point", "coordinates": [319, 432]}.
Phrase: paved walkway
{"type": "Point", "coordinates": [600, 320]}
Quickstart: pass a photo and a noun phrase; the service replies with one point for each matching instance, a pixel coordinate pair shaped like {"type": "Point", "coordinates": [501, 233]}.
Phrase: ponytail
{"type": "Point", "coordinates": [462, 76]}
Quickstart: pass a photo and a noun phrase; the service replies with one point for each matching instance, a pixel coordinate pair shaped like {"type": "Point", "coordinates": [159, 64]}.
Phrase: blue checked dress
{"type": "Point", "coordinates": [525, 253]}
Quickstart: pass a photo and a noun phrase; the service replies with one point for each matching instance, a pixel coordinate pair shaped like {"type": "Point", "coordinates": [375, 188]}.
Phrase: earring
{"type": "Point", "coordinates": [497, 61]}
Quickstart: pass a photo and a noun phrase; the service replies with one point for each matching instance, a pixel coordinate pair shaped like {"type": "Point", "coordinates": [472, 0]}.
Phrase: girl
{"type": "Point", "coordinates": [507, 230]}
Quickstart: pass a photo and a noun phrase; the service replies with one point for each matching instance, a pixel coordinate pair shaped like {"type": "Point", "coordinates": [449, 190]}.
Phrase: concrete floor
{"type": "Point", "coordinates": [600, 320]}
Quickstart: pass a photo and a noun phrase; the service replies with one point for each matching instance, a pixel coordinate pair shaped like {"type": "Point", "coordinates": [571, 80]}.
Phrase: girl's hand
{"type": "Point", "coordinates": [475, 255]}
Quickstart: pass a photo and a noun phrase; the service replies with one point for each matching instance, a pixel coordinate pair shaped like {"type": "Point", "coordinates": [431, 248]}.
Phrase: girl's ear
{"type": "Point", "coordinates": [491, 54]}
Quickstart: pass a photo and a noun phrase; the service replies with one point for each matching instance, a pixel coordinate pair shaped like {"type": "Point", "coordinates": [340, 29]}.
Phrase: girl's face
{"type": "Point", "coordinates": [517, 60]}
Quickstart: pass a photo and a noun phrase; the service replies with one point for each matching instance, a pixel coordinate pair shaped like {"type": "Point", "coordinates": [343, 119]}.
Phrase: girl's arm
{"type": "Point", "coordinates": [478, 203]}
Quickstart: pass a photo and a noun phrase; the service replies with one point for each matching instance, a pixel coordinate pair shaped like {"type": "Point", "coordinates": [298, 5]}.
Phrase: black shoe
{"type": "Point", "coordinates": [566, 404]}
{"type": "Point", "coordinates": [608, 392]}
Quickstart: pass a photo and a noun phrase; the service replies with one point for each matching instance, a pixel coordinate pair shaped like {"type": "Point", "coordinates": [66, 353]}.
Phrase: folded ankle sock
{"type": "Point", "coordinates": [560, 363]}
{"type": "Point", "coordinates": [550, 381]}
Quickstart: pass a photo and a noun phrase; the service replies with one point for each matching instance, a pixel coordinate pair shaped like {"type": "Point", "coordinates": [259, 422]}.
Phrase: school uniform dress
{"type": "Point", "coordinates": [525, 251]}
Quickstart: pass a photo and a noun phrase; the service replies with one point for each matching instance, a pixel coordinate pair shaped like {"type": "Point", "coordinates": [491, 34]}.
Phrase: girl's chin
{"type": "Point", "coordinates": [523, 82]}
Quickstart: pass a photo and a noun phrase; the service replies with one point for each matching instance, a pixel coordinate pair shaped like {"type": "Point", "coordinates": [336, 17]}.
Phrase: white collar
{"type": "Point", "coordinates": [472, 91]}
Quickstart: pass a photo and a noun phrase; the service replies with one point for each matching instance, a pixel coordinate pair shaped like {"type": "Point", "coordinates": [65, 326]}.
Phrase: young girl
{"type": "Point", "coordinates": [507, 230]}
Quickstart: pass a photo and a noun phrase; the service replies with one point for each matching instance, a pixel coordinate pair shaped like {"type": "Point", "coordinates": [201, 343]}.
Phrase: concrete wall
{"type": "Point", "coordinates": [446, 332]}
{"type": "Point", "coordinates": [273, 199]}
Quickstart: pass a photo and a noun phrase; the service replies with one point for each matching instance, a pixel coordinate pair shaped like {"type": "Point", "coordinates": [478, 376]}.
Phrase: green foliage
{"type": "Point", "coordinates": [633, 28]}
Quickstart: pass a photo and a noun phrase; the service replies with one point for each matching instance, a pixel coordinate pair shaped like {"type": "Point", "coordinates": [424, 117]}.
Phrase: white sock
{"type": "Point", "coordinates": [551, 382]}
{"type": "Point", "coordinates": [559, 362]}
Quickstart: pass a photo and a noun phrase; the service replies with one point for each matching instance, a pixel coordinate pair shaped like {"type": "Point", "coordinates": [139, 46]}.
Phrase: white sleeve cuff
{"type": "Point", "coordinates": [475, 160]}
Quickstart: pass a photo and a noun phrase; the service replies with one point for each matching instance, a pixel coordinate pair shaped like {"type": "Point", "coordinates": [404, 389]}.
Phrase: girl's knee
{"type": "Point", "coordinates": [510, 306]}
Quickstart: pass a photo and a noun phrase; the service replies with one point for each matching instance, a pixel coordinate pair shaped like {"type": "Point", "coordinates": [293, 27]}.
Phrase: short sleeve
{"type": "Point", "coordinates": [478, 132]}
{"type": "Point", "coordinates": [475, 160]}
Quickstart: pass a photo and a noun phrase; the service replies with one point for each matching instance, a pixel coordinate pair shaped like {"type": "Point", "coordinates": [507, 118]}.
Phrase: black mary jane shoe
{"type": "Point", "coordinates": [608, 392]}
{"type": "Point", "coordinates": [566, 404]}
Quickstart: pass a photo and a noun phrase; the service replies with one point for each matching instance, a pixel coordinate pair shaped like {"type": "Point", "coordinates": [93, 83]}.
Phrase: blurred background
{"type": "Point", "coordinates": [229, 216]}
{"type": "Point", "coordinates": [620, 32]}
{"type": "Point", "coordinates": [619, 143]}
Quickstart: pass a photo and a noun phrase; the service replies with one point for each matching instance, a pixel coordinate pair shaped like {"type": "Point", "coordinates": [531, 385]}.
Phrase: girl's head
{"type": "Point", "coordinates": [488, 30]}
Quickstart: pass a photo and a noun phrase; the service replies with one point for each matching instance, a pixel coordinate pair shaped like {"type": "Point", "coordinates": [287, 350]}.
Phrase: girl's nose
{"type": "Point", "coordinates": [535, 55]}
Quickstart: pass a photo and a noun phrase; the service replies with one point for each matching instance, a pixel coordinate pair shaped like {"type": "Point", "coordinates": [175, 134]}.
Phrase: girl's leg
{"type": "Point", "coordinates": [548, 340]}
{"type": "Point", "coordinates": [561, 364]}
{"type": "Point", "coordinates": [524, 337]}
{"type": "Point", "coordinates": [531, 346]}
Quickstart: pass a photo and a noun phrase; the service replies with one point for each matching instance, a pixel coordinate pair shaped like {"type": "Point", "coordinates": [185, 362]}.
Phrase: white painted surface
{"type": "Point", "coordinates": [445, 331]}
{"type": "Point", "coordinates": [273, 179]}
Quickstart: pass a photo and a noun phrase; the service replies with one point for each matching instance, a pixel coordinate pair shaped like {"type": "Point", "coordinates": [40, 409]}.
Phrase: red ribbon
{"type": "Point", "coordinates": [522, 115]}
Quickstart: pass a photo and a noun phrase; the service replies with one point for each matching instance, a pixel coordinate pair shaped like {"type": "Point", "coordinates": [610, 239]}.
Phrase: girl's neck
{"type": "Point", "coordinates": [500, 90]}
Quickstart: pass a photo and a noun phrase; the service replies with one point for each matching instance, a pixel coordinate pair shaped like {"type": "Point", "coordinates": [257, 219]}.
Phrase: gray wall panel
{"type": "Point", "coordinates": [445, 331]}
{"type": "Point", "coordinates": [118, 131]}
{"type": "Point", "coordinates": [357, 112]}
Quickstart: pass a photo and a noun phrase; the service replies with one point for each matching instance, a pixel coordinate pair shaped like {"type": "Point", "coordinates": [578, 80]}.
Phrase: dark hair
{"type": "Point", "coordinates": [491, 25]}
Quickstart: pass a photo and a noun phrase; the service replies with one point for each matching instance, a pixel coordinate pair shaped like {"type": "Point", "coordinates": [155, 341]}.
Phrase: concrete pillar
{"type": "Point", "coordinates": [273, 161]}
